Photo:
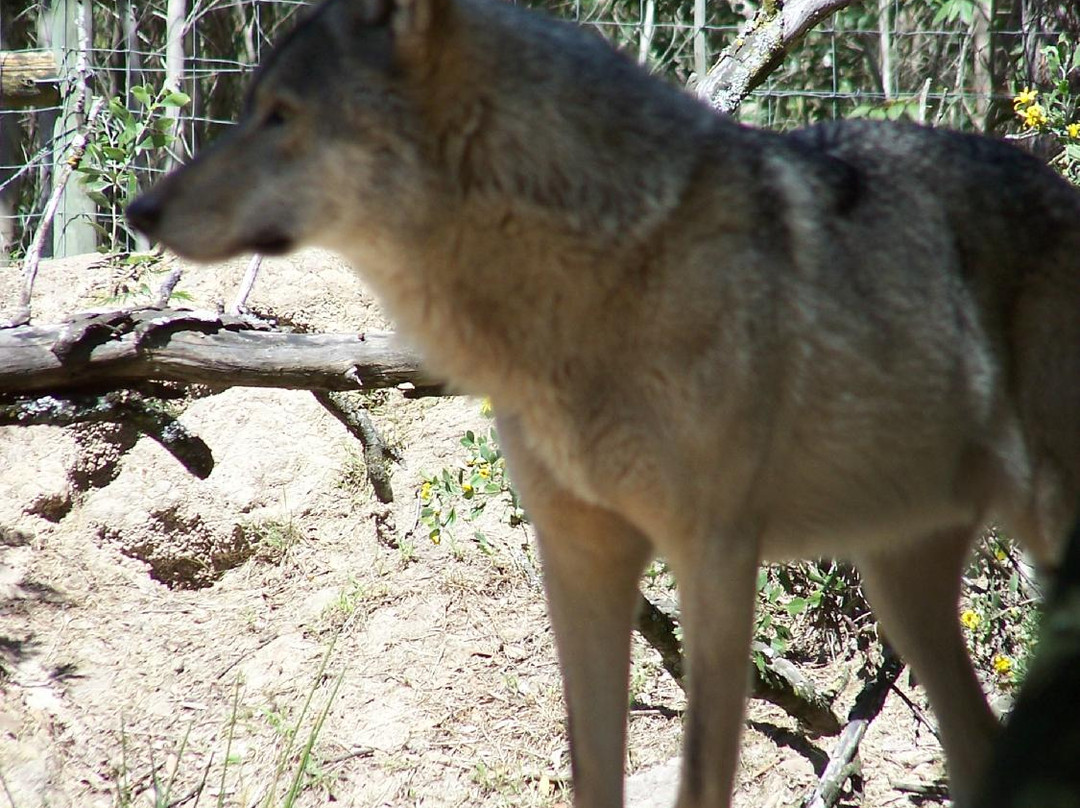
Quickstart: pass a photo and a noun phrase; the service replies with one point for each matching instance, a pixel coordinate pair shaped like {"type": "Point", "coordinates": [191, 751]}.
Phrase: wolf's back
{"type": "Point", "coordinates": [1014, 228]}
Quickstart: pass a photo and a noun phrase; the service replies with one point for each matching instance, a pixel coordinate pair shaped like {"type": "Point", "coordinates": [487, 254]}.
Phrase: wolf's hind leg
{"type": "Point", "coordinates": [915, 592]}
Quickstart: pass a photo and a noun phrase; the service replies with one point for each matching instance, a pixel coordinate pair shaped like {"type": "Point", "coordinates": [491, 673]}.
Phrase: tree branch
{"type": "Point", "coordinates": [843, 762]}
{"type": "Point", "coordinates": [760, 49]}
{"type": "Point", "coordinates": [120, 407]}
{"type": "Point", "coordinates": [658, 629]}
{"type": "Point", "coordinates": [377, 455]}
{"type": "Point", "coordinates": [778, 682]}
{"type": "Point", "coordinates": [28, 79]}
{"type": "Point", "coordinates": [33, 254]}
{"type": "Point", "coordinates": [781, 683]}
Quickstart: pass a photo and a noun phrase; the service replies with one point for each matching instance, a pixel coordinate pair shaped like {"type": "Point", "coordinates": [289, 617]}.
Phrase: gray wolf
{"type": "Point", "coordinates": [713, 343]}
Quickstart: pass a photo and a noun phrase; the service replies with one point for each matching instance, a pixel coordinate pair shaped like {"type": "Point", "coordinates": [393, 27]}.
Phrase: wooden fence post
{"type": "Point", "coordinates": [68, 26]}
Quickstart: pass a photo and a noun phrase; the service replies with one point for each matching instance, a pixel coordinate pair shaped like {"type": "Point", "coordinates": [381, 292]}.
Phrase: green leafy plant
{"type": "Point", "coordinates": [1000, 615]}
{"type": "Point", "coordinates": [889, 110]}
{"type": "Point", "coordinates": [271, 539]}
{"type": "Point", "coordinates": [949, 11]}
{"type": "Point", "coordinates": [119, 140]}
{"type": "Point", "coordinates": [137, 284]}
{"type": "Point", "coordinates": [1053, 109]}
{"type": "Point", "coordinates": [466, 491]}
{"type": "Point", "coordinates": [823, 597]}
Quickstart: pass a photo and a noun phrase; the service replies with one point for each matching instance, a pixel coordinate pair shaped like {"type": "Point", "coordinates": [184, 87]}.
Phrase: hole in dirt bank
{"type": "Point", "coordinates": [22, 595]}
{"type": "Point", "coordinates": [101, 447]}
{"type": "Point", "coordinates": [11, 651]}
{"type": "Point", "coordinates": [66, 672]}
{"type": "Point", "coordinates": [52, 507]}
{"type": "Point", "coordinates": [182, 550]}
{"type": "Point", "coordinates": [15, 650]}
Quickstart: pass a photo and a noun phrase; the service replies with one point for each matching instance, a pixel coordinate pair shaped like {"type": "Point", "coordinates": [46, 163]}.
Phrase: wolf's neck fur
{"type": "Point", "coordinates": [551, 208]}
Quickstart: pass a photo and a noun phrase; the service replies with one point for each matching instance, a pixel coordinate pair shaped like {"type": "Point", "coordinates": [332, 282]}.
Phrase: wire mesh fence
{"type": "Point", "coordinates": [952, 62]}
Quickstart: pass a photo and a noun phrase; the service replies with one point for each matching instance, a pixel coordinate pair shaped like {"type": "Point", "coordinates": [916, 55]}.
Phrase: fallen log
{"type": "Point", "coordinates": [111, 350]}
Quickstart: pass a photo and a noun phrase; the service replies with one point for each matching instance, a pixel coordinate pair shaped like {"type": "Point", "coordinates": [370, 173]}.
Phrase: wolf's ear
{"type": "Point", "coordinates": [416, 19]}
{"type": "Point", "coordinates": [368, 13]}
{"type": "Point", "coordinates": [411, 21]}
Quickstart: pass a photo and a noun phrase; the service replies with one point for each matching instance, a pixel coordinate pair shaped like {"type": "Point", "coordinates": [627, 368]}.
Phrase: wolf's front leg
{"type": "Point", "coordinates": [592, 563]}
{"type": "Point", "coordinates": [914, 589]}
{"type": "Point", "coordinates": [717, 582]}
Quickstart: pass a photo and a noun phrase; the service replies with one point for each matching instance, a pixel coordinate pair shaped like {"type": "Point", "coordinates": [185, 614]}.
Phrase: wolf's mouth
{"type": "Point", "coordinates": [271, 242]}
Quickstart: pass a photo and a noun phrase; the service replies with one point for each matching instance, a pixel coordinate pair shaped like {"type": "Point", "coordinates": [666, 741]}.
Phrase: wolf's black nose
{"type": "Point", "coordinates": [144, 213]}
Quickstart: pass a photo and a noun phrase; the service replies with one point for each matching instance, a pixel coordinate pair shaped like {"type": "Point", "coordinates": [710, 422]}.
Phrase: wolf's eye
{"type": "Point", "coordinates": [277, 116]}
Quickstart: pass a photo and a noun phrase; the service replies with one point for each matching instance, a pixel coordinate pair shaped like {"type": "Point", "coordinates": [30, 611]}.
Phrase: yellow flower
{"type": "Point", "coordinates": [999, 554]}
{"type": "Point", "coordinates": [1002, 664]}
{"type": "Point", "coordinates": [1034, 116]}
{"type": "Point", "coordinates": [485, 408]}
{"type": "Point", "coordinates": [1024, 97]}
{"type": "Point", "coordinates": [484, 471]}
{"type": "Point", "coordinates": [1074, 130]}
{"type": "Point", "coordinates": [466, 489]}
{"type": "Point", "coordinates": [970, 620]}
{"type": "Point", "coordinates": [425, 492]}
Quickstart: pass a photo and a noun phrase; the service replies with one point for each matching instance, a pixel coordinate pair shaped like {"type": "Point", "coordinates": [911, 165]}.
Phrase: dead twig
{"type": "Point", "coordinates": [240, 304]}
{"type": "Point", "coordinates": [165, 291]}
{"type": "Point", "coordinates": [779, 681]}
{"type": "Point", "coordinates": [121, 349]}
{"type": "Point", "coordinates": [658, 629]}
{"type": "Point", "coordinates": [78, 150]}
{"type": "Point", "coordinates": [760, 48]}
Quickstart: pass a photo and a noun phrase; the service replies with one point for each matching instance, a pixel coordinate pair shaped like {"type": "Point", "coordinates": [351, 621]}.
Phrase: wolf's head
{"type": "Point", "coordinates": [372, 124]}
{"type": "Point", "coordinates": [329, 138]}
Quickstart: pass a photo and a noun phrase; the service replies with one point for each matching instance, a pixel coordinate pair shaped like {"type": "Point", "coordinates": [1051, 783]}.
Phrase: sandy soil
{"type": "Point", "coordinates": [161, 634]}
